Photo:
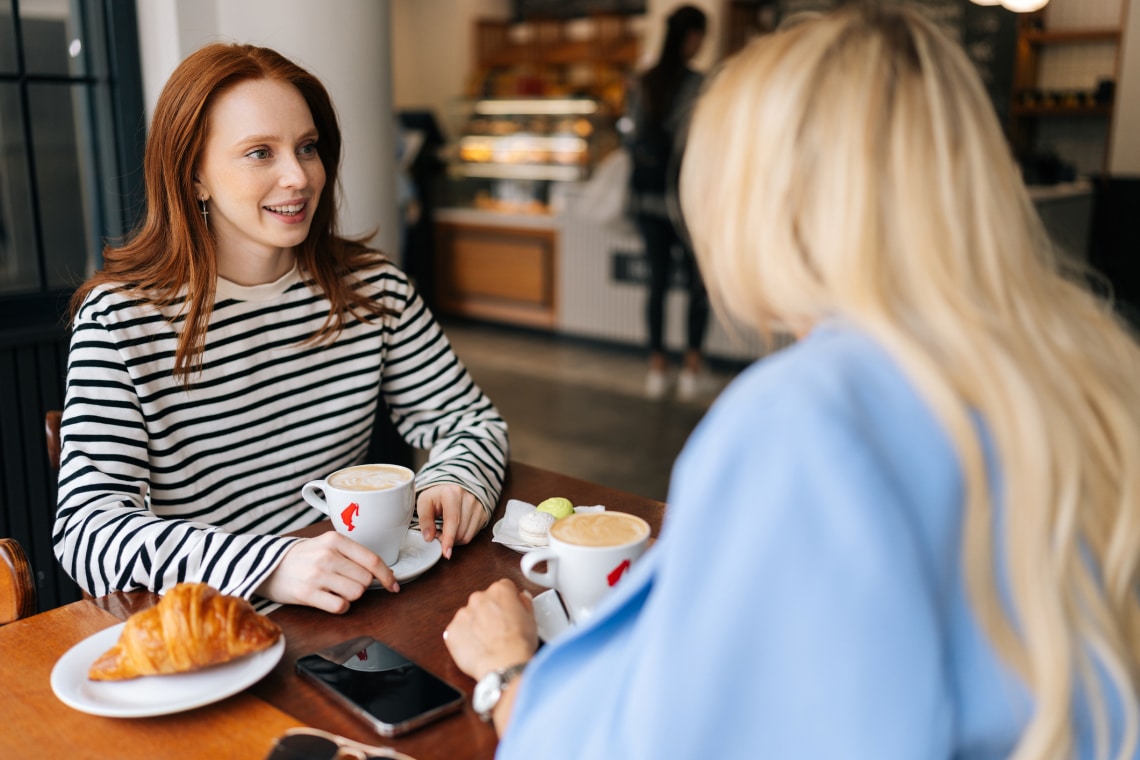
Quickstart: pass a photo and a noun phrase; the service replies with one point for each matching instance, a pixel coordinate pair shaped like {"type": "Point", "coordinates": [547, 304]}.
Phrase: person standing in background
{"type": "Point", "coordinates": [659, 106]}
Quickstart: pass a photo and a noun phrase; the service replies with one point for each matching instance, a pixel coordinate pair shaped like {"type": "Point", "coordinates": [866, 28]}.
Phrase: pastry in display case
{"type": "Point", "coordinates": [511, 154]}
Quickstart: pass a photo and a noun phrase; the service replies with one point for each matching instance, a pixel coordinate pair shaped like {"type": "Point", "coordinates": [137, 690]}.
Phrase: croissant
{"type": "Point", "coordinates": [192, 627]}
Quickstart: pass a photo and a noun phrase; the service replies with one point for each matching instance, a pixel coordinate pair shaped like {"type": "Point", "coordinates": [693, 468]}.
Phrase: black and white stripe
{"type": "Point", "coordinates": [162, 482]}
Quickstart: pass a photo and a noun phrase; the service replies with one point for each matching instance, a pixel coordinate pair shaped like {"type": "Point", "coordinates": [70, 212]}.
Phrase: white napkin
{"type": "Point", "coordinates": [507, 530]}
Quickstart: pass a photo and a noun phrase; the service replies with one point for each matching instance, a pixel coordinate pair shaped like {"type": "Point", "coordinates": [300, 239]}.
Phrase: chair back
{"type": "Point", "coordinates": [51, 432]}
{"type": "Point", "coordinates": [17, 584]}
{"type": "Point", "coordinates": [54, 444]}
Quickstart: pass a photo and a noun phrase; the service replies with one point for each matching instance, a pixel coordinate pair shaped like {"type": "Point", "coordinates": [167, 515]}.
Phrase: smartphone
{"type": "Point", "coordinates": [380, 685]}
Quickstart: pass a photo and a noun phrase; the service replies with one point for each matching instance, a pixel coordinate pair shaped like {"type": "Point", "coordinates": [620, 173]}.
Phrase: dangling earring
{"type": "Point", "coordinates": [205, 213]}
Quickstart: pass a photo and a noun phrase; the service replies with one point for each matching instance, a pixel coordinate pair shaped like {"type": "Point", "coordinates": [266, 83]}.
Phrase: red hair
{"type": "Point", "coordinates": [170, 251]}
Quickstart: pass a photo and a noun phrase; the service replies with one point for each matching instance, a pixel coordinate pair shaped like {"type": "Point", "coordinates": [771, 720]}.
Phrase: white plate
{"type": "Point", "coordinates": [152, 695]}
{"type": "Point", "coordinates": [416, 557]}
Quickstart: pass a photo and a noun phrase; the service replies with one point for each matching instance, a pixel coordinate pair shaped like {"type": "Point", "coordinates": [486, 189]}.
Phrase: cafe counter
{"type": "Point", "coordinates": [569, 272]}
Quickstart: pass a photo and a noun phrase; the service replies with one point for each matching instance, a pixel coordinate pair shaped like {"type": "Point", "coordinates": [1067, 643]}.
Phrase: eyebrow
{"type": "Point", "coordinates": [273, 138]}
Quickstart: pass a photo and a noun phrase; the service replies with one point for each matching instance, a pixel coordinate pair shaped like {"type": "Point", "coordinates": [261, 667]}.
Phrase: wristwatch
{"type": "Point", "coordinates": [490, 689]}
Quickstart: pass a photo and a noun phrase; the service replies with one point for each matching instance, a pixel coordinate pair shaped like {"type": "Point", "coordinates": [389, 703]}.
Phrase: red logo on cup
{"type": "Point", "coordinates": [352, 510]}
{"type": "Point", "coordinates": [616, 574]}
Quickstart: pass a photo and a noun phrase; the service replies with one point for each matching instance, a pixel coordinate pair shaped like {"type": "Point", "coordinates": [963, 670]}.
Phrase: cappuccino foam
{"type": "Point", "coordinates": [369, 477]}
{"type": "Point", "coordinates": [600, 529]}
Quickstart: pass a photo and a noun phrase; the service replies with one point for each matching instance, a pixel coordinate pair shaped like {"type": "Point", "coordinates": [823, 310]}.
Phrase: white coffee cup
{"type": "Point", "coordinates": [588, 554]}
{"type": "Point", "coordinates": [370, 503]}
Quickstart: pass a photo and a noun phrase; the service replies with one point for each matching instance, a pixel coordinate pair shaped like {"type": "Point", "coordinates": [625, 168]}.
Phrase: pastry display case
{"type": "Point", "coordinates": [511, 166]}
{"type": "Point", "coordinates": [511, 154]}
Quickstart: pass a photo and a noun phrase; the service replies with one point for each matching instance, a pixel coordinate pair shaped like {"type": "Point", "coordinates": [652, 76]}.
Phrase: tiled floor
{"type": "Point", "coordinates": [578, 407]}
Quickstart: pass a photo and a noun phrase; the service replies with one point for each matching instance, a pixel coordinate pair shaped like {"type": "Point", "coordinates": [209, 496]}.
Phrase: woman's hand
{"type": "Point", "coordinates": [462, 515]}
{"type": "Point", "coordinates": [495, 630]}
{"type": "Point", "coordinates": [327, 572]}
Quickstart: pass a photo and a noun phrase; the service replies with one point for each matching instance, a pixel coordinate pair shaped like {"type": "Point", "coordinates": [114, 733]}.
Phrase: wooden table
{"type": "Point", "coordinates": [411, 621]}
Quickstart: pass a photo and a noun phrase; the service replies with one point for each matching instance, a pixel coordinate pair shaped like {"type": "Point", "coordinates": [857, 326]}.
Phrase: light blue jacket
{"type": "Point", "coordinates": [805, 599]}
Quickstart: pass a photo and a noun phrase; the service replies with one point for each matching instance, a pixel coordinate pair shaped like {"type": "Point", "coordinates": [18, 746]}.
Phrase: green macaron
{"type": "Point", "coordinates": [557, 506]}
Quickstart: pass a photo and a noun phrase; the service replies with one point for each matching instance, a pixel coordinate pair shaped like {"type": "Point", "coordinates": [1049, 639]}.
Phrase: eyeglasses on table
{"type": "Point", "coordinates": [314, 744]}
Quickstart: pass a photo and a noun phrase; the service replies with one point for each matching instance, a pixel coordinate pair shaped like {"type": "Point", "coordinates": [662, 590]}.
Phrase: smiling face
{"type": "Point", "coordinates": [259, 171]}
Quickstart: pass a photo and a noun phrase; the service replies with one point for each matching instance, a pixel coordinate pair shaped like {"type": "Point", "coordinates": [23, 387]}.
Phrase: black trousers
{"type": "Point", "coordinates": [665, 249]}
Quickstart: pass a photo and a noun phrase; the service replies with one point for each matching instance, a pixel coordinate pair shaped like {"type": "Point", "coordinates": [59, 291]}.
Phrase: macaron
{"type": "Point", "coordinates": [534, 528]}
{"type": "Point", "coordinates": [557, 506]}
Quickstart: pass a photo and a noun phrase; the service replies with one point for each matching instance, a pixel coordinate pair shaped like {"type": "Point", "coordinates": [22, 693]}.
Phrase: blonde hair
{"type": "Point", "coordinates": [852, 166]}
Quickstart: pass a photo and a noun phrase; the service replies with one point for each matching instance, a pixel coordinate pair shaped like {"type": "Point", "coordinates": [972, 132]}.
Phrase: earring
{"type": "Point", "coordinates": [205, 213]}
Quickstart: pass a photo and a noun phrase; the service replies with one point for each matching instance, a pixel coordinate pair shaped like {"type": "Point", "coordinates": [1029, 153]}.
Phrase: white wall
{"type": "Point", "coordinates": [345, 43]}
{"type": "Point", "coordinates": [433, 50]}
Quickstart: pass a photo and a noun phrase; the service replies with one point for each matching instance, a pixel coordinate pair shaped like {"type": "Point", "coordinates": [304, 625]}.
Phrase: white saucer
{"type": "Point", "coordinates": [416, 557]}
{"type": "Point", "coordinates": [151, 695]}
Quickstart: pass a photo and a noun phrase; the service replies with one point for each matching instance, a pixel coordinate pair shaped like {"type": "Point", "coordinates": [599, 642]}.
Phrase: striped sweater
{"type": "Point", "coordinates": [161, 483]}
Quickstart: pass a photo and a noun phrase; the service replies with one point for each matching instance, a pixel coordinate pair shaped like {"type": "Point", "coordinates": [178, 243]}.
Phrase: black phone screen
{"type": "Point", "coordinates": [380, 684]}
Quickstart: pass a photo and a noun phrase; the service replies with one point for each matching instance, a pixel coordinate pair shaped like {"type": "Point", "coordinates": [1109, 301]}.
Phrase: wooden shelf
{"type": "Point", "coordinates": [1068, 36]}
{"type": "Point", "coordinates": [596, 63]}
{"type": "Point", "coordinates": [1044, 110]}
{"type": "Point", "coordinates": [622, 53]}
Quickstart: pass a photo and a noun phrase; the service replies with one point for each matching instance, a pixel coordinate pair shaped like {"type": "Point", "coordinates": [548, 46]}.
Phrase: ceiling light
{"type": "Point", "coordinates": [1023, 6]}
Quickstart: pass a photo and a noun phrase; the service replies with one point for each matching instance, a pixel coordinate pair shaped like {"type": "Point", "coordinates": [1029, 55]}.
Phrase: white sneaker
{"type": "Point", "coordinates": [694, 385]}
{"type": "Point", "coordinates": [656, 384]}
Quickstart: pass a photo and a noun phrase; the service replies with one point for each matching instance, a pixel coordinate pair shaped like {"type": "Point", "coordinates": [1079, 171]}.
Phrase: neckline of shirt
{"type": "Point", "coordinates": [228, 290]}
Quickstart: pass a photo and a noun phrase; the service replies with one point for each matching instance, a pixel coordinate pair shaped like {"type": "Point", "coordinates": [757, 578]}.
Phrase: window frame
{"type": "Point", "coordinates": [119, 139]}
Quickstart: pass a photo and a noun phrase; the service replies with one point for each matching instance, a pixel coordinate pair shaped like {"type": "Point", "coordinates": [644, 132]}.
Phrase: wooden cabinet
{"type": "Point", "coordinates": [497, 272]}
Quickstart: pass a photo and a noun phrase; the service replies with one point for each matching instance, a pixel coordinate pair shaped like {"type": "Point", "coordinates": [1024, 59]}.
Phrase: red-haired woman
{"type": "Point", "coordinates": [235, 347]}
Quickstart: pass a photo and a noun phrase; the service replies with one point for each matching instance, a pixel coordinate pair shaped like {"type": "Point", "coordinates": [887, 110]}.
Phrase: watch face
{"type": "Point", "coordinates": [487, 692]}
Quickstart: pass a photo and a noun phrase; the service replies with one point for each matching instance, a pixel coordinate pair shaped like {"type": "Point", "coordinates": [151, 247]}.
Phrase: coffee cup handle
{"type": "Point", "coordinates": [535, 557]}
{"type": "Point", "coordinates": [313, 492]}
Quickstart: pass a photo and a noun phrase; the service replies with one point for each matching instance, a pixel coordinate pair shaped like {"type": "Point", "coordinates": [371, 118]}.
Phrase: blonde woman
{"type": "Point", "coordinates": [915, 533]}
